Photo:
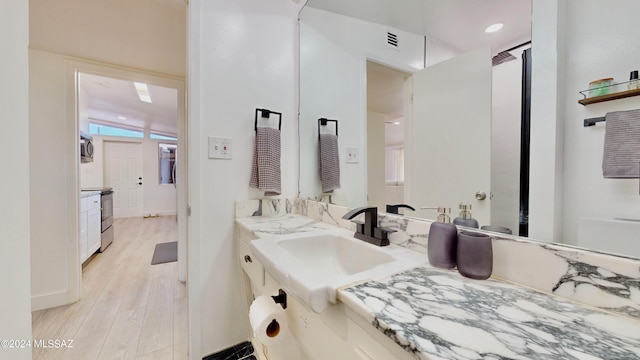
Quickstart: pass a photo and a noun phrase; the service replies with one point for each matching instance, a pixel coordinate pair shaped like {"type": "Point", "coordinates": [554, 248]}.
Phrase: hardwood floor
{"type": "Point", "coordinates": [129, 309]}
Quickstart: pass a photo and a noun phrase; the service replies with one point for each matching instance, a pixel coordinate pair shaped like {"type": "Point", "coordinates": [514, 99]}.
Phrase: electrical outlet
{"type": "Point", "coordinates": [219, 148]}
{"type": "Point", "coordinates": [226, 148]}
{"type": "Point", "coordinates": [353, 155]}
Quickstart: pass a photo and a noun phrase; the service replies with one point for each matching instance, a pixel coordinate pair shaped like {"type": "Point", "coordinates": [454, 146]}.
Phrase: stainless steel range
{"type": "Point", "coordinates": [106, 209]}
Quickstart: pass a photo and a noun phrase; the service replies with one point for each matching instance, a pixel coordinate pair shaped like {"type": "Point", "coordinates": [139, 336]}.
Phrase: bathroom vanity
{"type": "Point", "coordinates": [420, 312]}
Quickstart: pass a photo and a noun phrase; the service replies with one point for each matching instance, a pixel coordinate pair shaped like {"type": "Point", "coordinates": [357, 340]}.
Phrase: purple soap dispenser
{"type": "Point", "coordinates": [442, 241]}
{"type": "Point", "coordinates": [465, 218]}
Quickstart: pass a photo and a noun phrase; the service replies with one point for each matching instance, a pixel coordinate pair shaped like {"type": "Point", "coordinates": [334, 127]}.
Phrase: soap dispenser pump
{"type": "Point", "coordinates": [464, 218]}
{"type": "Point", "coordinates": [443, 240]}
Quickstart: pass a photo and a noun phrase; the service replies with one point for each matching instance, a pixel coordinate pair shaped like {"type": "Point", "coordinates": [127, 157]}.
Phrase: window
{"type": "Point", "coordinates": [158, 136]}
{"type": "Point", "coordinates": [394, 164]}
{"type": "Point", "coordinates": [110, 130]}
{"type": "Point", "coordinates": [167, 163]}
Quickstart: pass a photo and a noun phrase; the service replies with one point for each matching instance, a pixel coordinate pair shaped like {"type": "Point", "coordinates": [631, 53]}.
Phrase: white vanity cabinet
{"type": "Point", "coordinates": [336, 333]}
{"type": "Point", "coordinates": [252, 270]}
{"type": "Point", "coordinates": [90, 222]}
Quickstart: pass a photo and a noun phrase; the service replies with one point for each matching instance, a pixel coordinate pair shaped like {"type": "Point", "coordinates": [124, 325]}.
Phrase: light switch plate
{"type": "Point", "coordinates": [220, 148]}
{"type": "Point", "coordinates": [353, 155]}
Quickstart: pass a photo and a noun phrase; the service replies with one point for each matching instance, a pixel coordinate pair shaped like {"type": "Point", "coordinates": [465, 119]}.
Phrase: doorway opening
{"type": "Point", "coordinates": [385, 135]}
{"type": "Point", "coordinates": [108, 105]}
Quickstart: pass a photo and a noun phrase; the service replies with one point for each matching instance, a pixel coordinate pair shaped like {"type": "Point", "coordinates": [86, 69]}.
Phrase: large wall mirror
{"type": "Point", "coordinates": [429, 111]}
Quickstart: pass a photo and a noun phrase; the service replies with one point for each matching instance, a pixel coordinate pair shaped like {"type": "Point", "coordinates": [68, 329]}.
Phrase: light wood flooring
{"type": "Point", "coordinates": [129, 309]}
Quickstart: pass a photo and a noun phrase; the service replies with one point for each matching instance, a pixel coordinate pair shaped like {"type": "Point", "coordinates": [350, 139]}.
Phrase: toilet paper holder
{"type": "Point", "coordinates": [281, 298]}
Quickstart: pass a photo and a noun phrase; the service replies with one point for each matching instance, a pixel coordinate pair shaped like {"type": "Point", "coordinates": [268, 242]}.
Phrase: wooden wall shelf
{"type": "Point", "coordinates": [608, 97]}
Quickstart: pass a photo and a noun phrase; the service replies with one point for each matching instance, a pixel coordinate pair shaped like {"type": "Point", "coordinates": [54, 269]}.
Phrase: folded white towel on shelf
{"type": "Point", "coordinates": [329, 162]}
{"type": "Point", "coordinates": [621, 158]}
{"type": "Point", "coordinates": [265, 170]}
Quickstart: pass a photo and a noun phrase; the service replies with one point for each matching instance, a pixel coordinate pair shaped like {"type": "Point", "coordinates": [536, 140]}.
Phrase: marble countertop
{"type": "Point", "coordinates": [281, 225]}
{"type": "Point", "coordinates": [439, 314]}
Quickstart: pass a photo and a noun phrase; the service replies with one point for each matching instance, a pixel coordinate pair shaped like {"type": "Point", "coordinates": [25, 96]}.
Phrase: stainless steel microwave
{"type": "Point", "coordinates": [86, 148]}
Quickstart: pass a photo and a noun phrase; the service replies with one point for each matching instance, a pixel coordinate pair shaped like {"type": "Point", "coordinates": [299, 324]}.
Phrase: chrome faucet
{"type": "Point", "coordinates": [368, 230]}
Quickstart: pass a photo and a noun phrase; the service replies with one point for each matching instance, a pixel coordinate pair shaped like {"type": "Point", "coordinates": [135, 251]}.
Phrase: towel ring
{"type": "Point", "coordinates": [264, 113]}
{"type": "Point", "coordinates": [323, 122]}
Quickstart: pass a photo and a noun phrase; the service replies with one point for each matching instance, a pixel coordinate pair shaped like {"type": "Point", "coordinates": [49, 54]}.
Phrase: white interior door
{"type": "Point", "coordinates": [123, 172]}
{"type": "Point", "coordinates": [450, 136]}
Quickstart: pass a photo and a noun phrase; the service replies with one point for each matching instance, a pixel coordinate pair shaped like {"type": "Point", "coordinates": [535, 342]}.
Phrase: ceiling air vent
{"type": "Point", "coordinates": [392, 40]}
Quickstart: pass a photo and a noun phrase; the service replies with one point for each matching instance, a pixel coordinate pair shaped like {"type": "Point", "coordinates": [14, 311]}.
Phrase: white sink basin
{"type": "Point", "coordinates": [333, 254]}
{"type": "Point", "coordinates": [314, 265]}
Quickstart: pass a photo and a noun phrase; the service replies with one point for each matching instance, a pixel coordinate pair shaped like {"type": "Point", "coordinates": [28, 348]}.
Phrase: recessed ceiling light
{"type": "Point", "coordinates": [392, 122]}
{"type": "Point", "coordinates": [493, 28]}
{"type": "Point", "coordinates": [122, 117]}
{"type": "Point", "coordinates": [396, 123]}
{"type": "Point", "coordinates": [143, 92]}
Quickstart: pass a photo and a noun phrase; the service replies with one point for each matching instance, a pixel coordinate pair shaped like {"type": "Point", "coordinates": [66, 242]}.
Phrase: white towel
{"type": "Point", "coordinates": [621, 158]}
{"type": "Point", "coordinates": [329, 162]}
{"type": "Point", "coordinates": [265, 170]}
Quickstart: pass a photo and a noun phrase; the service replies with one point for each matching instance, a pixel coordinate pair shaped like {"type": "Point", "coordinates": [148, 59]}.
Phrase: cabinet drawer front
{"type": "Point", "coordinates": [250, 265]}
{"type": "Point", "coordinates": [93, 202]}
{"type": "Point", "coordinates": [84, 204]}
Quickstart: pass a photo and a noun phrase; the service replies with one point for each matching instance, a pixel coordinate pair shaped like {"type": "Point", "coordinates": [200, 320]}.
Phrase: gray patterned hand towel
{"type": "Point", "coordinates": [329, 162]}
{"type": "Point", "coordinates": [621, 145]}
{"type": "Point", "coordinates": [265, 170]}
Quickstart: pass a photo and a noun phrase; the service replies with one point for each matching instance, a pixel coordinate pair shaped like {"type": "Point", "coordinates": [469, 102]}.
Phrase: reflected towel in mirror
{"type": "Point", "coordinates": [329, 162]}
{"type": "Point", "coordinates": [621, 145]}
{"type": "Point", "coordinates": [265, 170]}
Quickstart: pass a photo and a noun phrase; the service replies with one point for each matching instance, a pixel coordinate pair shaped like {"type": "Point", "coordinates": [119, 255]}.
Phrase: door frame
{"type": "Point", "coordinates": [401, 67]}
{"type": "Point", "coordinates": [72, 68]}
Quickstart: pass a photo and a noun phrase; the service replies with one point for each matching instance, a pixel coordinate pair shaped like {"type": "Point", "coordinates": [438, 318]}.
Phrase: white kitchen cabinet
{"type": "Point", "coordinates": [90, 226]}
{"type": "Point", "coordinates": [84, 227]}
{"type": "Point", "coordinates": [94, 223]}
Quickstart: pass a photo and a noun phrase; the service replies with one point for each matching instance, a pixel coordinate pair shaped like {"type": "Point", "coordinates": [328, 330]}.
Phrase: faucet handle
{"type": "Point", "coordinates": [359, 225]}
{"type": "Point", "coordinates": [382, 234]}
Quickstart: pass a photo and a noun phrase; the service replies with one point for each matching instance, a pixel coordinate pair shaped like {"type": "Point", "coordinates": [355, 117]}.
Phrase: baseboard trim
{"type": "Point", "coordinates": [147, 214]}
{"type": "Point", "coordinates": [50, 300]}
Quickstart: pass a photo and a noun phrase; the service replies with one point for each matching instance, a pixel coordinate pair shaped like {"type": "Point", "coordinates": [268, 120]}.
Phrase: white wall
{"type": "Point", "coordinates": [52, 181]}
{"type": "Point", "coordinates": [547, 103]}
{"type": "Point", "coordinates": [145, 34]}
{"type": "Point", "coordinates": [333, 53]}
{"type": "Point", "coordinates": [594, 53]}
{"type": "Point", "coordinates": [505, 144]}
{"type": "Point", "coordinates": [376, 160]}
{"type": "Point", "coordinates": [566, 158]}
{"type": "Point", "coordinates": [437, 51]}
{"type": "Point", "coordinates": [148, 36]}
{"type": "Point", "coordinates": [158, 199]}
{"type": "Point", "coordinates": [83, 107]}
{"type": "Point", "coordinates": [15, 309]}
{"type": "Point", "coordinates": [242, 56]}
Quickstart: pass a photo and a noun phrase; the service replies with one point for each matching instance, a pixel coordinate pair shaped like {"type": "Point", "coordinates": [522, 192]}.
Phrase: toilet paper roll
{"type": "Point", "coordinates": [268, 320]}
